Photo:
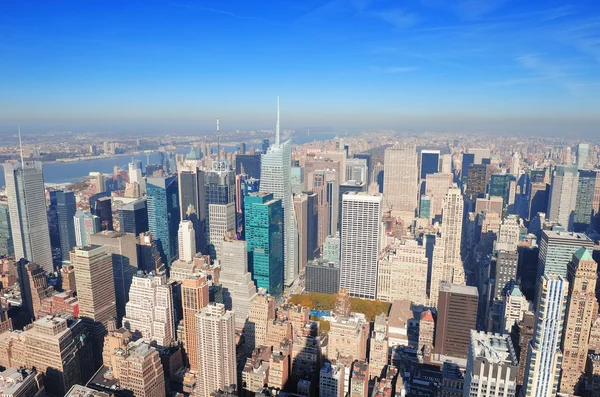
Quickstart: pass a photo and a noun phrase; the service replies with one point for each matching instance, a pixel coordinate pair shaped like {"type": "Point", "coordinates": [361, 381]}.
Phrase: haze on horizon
{"type": "Point", "coordinates": [173, 67]}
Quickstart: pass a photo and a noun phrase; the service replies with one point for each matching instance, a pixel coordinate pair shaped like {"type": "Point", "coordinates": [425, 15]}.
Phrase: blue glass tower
{"type": "Point", "coordinates": [264, 236]}
{"type": "Point", "coordinates": [62, 204]}
{"type": "Point", "coordinates": [430, 162]}
{"type": "Point", "coordinates": [163, 215]}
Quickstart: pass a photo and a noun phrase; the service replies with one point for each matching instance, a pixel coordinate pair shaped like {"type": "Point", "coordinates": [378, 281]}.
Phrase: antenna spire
{"type": "Point", "coordinates": [21, 147]}
{"type": "Point", "coordinates": [218, 141]}
{"type": "Point", "coordinates": [277, 126]}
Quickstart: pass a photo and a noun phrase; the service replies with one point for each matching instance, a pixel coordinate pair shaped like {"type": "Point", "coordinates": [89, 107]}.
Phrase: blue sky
{"type": "Point", "coordinates": [174, 66]}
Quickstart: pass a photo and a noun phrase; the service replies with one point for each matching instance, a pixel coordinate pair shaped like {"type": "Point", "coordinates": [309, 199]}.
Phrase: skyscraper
{"type": "Point", "coordinates": [133, 217]}
{"type": "Point", "coordinates": [361, 233]}
{"type": "Point", "coordinates": [400, 180]}
{"type": "Point", "coordinates": [586, 188]}
{"type": "Point", "coordinates": [95, 292]}
{"type": "Point", "coordinates": [583, 151]}
{"type": "Point", "coordinates": [122, 247]}
{"type": "Point", "coordinates": [457, 316]}
{"type": "Point", "coordinates": [275, 179]}
{"type": "Point", "coordinates": [150, 310]}
{"type": "Point", "coordinates": [135, 176]}
{"type": "Point", "coordinates": [238, 288]}
{"type": "Point", "coordinates": [101, 206]}
{"type": "Point", "coordinates": [85, 225]}
{"type": "Point", "coordinates": [192, 205]}
{"type": "Point", "coordinates": [582, 309]}
{"type": "Point", "coordinates": [64, 204]}
{"type": "Point", "coordinates": [544, 357]}
{"type": "Point", "coordinates": [187, 241]}
{"type": "Point", "coordinates": [563, 196]}
{"type": "Point", "coordinates": [216, 349]}
{"type": "Point", "coordinates": [194, 296]}
{"type": "Point", "coordinates": [476, 180]}
{"type": "Point", "coordinates": [27, 207]}
{"type": "Point", "coordinates": [249, 163]}
{"type": "Point", "coordinates": [163, 215]}
{"type": "Point", "coordinates": [492, 366]}
{"type": "Point", "coordinates": [264, 234]}
{"type": "Point", "coordinates": [436, 188]}
{"type": "Point", "coordinates": [6, 244]}
{"type": "Point", "coordinates": [221, 221]}
{"type": "Point", "coordinates": [557, 248]}
{"type": "Point", "coordinates": [430, 162]}
{"type": "Point", "coordinates": [451, 239]}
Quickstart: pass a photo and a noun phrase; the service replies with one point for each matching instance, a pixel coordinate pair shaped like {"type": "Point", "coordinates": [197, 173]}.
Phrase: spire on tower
{"type": "Point", "coordinates": [277, 127]}
{"type": "Point", "coordinates": [218, 142]}
{"type": "Point", "coordinates": [21, 147]}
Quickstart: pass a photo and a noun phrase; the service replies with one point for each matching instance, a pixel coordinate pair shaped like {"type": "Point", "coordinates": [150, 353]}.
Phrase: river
{"type": "Point", "coordinates": [74, 171]}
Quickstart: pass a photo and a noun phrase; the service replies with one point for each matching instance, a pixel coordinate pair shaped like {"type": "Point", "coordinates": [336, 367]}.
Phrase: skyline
{"type": "Point", "coordinates": [429, 65]}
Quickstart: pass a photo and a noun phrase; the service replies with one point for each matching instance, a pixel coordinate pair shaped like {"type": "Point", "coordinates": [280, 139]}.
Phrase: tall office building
{"type": "Point", "coordinates": [479, 154]}
{"type": "Point", "coordinates": [467, 160]}
{"type": "Point", "coordinates": [275, 179]}
{"type": "Point", "coordinates": [492, 366]}
{"type": "Point", "coordinates": [356, 170]}
{"type": "Point", "coordinates": [582, 310]}
{"type": "Point", "coordinates": [85, 224]}
{"type": "Point", "coordinates": [33, 283]}
{"type": "Point", "coordinates": [192, 204]}
{"type": "Point", "coordinates": [63, 203]}
{"type": "Point", "coordinates": [221, 221]}
{"type": "Point", "coordinates": [301, 210]}
{"type": "Point", "coordinates": [401, 179]}
{"type": "Point", "coordinates": [216, 350]}
{"type": "Point", "coordinates": [457, 316]}
{"type": "Point", "coordinates": [500, 186]}
{"type": "Point", "coordinates": [122, 247]}
{"type": "Point", "coordinates": [430, 163]}
{"type": "Point", "coordinates": [264, 234]}
{"type": "Point", "coordinates": [163, 215]}
{"type": "Point", "coordinates": [451, 239]}
{"type": "Point", "coordinates": [219, 185]}
{"type": "Point", "coordinates": [476, 180]}
{"type": "Point", "coordinates": [586, 189]}
{"type": "Point", "coordinates": [150, 310]}
{"type": "Point", "coordinates": [563, 195]}
{"type": "Point", "coordinates": [6, 243]}
{"type": "Point", "coordinates": [135, 176]}
{"type": "Point", "coordinates": [583, 151]}
{"type": "Point", "coordinates": [194, 297]}
{"type": "Point", "coordinates": [187, 241]}
{"type": "Point", "coordinates": [402, 273]}
{"type": "Point", "coordinates": [238, 288]}
{"type": "Point", "coordinates": [95, 292]}
{"type": "Point", "coordinates": [556, 250]}
{"type": "Point", "coordinates": [360, 241]}
{"type": "Point", "coordinates": [101, 206]}
{"type": "Point", "coordinates": [544, 357]}
{"type": "Point", "coordinates": [27, 208]}
{"type": "Point", "coordinates": [369, 160]}
{"type": "Point", "coordinates": [436, 188]}
{"type": "Point", "coordinates": [249, 164]}
{"type": "Point", "coordinates": [133, 217]}
{"type": "Point", "coordinates": [515, 164]}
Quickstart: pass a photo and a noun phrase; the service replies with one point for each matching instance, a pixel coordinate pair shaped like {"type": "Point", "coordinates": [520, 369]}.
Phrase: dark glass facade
{"type": "Point", "coordinates": [163, 215]}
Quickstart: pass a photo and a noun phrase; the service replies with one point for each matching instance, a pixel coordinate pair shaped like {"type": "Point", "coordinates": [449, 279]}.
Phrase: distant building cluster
{"type": "Point", "coordinates": [184, 278]}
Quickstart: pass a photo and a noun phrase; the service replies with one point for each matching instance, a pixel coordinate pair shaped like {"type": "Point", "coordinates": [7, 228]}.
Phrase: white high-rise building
{"type": "Point", "coordinates": [275, 178]}
{"type": "Point", "coordinates": [150, 309]}
{"type": "Point", "coordinates": [400, 180]}
{"type": "Point", "coordinates": [135, 176]}
{"type": "Point", "coordinates": [99, 180]}
{"type": "Point", "coordinates": [187, 241]}
{"type": "Point", "coordinates": [544, 357]}
{"type": "Point", "coordinates": [492, 366]}
{"type": "Point", "coordinates": [361, 235]}
{"type": "Point", "coordinates": [515, 165]}
{"type": "Point", "coordinates": [436, 188]}
{"type": "Point", "coordinates": [446, 167]}
{"type": "Point", "coordinates": [515, 307]}
{"type": "Point", "coordinates": [452, 224]}
{"type": "Point", "coordinates": [583, 151]}
{"type": "Point", "coordinates": [28, 215]}
{"type": "Point", "coordinates": [215, 328]}
{"type": "Point", "coordinates": [221, 220]}
{"type": "Point", "coordinates": [238, 288]}
{"type": "Point", "coordinates": [563, 195]}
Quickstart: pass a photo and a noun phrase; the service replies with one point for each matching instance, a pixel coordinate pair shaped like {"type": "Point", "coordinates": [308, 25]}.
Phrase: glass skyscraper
{"type": "Point", "coordinates": [585, 199]}
{"type": "Point", "coordinates": [28, 216]}
{"type": "Point", "coordinates": [63, 204]}
{"type": "Point", "coordinates": [6, 244]}
{"type": "Point", "coordinates": [430, 162]}
{"type": "Point", "coordinates": [264, 236]}
{"type": "Point", "coordinates": [163, 215]}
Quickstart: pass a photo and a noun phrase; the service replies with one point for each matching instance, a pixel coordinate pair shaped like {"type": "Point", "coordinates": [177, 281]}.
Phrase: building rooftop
{"type": "Point", "coordinates": [571, 236]}
{"type": "Point", "coordinates": [494, 348]}
{"type": "Point", "coordinates": [400, 313]}
{"type": "Point", "coordinates": [459, 289]}
{"type": "Point", "coordinates": [12, 380]}
{"type": "Point", "coordinates": [583, 254]}
{"type": "Point", "coordinates": [82, 391]}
